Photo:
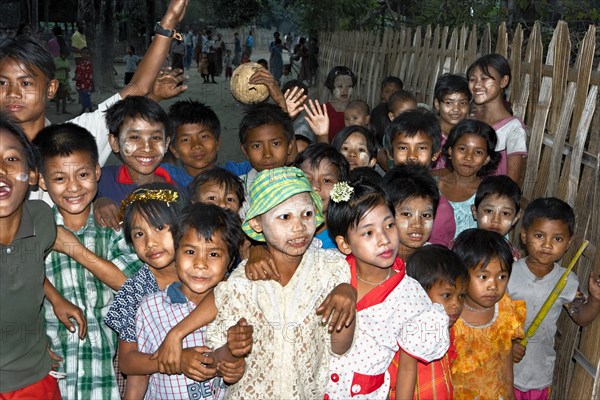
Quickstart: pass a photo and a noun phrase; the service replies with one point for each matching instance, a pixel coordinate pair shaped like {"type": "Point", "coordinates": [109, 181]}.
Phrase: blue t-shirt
{"type": "Point", "coordinates": [326, 240]}
{"type": "Point", "coordinates": [237, 168]}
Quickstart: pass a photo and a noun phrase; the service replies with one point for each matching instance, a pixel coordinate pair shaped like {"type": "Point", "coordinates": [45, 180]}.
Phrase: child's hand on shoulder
{"type": "Point", "coordinates": [196, 364]}
{"type": "Point", "coordinates": [239, 338]}
{"type": "Point", "coordinates": [65, 241]}
{"type": "Point", "coordinates": [339, 307]}
{"type": "Point", "coordinates": [518, 351]}
{"type": "Point", "coordinates": [106, 213]}
{"type": "Point", "coordinates": [232, 371]}
{"type": "Point", "coordinates": [65, 310]}
{"type": "Point", "coordinates": [260, 265]}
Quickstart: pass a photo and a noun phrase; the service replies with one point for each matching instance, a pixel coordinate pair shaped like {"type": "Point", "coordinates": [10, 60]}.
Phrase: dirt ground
{"type": "Point", "coordinates": [218, 96]}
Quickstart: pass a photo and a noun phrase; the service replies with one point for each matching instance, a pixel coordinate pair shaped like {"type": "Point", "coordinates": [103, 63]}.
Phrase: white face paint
{"type": "Point", "coordinates": [289, 227]}
{"type": "Point", "coordinates": [414, 218]}
{"type": "Point", "coordinates": [496, 214]}
{"type": "Point", "coordinates": [22, 177]}
{"type": "Point", "coordinates": [356, 151]}
{"type": "Point", "coordinates": [342, 88]}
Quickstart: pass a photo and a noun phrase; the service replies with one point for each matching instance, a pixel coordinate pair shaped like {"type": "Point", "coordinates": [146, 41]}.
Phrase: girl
{"type": "Point", "coordinates": [488, 78]}
{"type": "Point", "coordinates": [489, 321]}
{"type": "Point", "coordinates": [389, 303]}
{"type": "Point", "coordinates": [358, 145]}
{"type": "Point", "coordinates": [147, 214]}
{"type": "Point", "coordinates": [470, 155]}
{"type": "Point", "coordinates": [340, 81]}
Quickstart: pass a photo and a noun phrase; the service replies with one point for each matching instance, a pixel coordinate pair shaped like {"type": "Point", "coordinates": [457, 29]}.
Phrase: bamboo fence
{"type": "Point", "coordinates": [555, 96]}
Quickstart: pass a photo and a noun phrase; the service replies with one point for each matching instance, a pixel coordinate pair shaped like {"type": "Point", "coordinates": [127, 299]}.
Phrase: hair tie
{"type": "Point", "coordinates": [341, 191]}
{"type": "Point", "coordinates": [166, 195]}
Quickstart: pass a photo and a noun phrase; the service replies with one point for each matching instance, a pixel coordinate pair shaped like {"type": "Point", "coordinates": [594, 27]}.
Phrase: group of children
{"type": "Point", "coordinates": [299, 274]}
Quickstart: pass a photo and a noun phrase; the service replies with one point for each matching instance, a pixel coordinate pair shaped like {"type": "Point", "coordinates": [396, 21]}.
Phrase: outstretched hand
{"type": "Point", "coordinates": [168, 84]}
{"type": "Point", "coordinates": [317, 119]}
{"type": "Point", "coordinates": [294, 100]}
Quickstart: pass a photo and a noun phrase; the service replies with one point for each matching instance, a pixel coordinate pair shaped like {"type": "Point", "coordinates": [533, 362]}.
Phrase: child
{"type": "Point", "coordinates": [379, 115]}
{"type": "Point", "coordinates": [203, 66]}
{"type": "Point", "coordinates": [140, 133]}
{"type": "Point", "coordinates": [358, 145]}
{"type": "Point", "coordinates": [26, 237]}
{"type": "Point", "coordinates": [197, 137]}
{"type": "Point", "coordinates": [497, 205]}
{"type": "Point", "coordinates": [63, 66]}
{"type": "Point", "coordinates": [131, 61]}
{"type": "Point", "coordinates": [206, 240]}
{"type": "Point", "coordinates": [415, 197]}
{"type": "Point", "coordinates": [470, 155]}
{"type": "Point", "coordinates": [266, 139]}
{"type": "Point", "coordinates": [400, 102]}
{"type": "Point", "coordinates": [488, 78]}
{"type": "Point", "coordinates": [284, 212]}
{"type": "Point", "coordinates": [445, 278]}
{"type": "Point", "coordinates": [451, 101]}
{"type": "Point", "coordinates": [547, 233]}
{"type": "Point", "coordinates": [84, 80]}
{"type": "Point", "coordinates": [286, 76]}
{"type": "Point", "coordinates": [228, 61]}
{"type": "Point", "coordinates": [78, 267]}
{"type": "Point", "coordinates": [340, 81]}
{"type": "Point", "coordinates": [357, 112]}
{"type": "Point", "coordinates": [217, 186]}
{"type": "Point", "coordinates": [361, 219]}
{"type": "Point", "coordinates": [147, 214]}
{"type": "Point", "coordinates": [490, 320]}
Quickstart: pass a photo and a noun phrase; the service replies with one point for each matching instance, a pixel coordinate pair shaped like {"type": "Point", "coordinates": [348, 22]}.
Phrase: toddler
{"type": "Point", "coordinates": [357, 112]}
{"type": "Point", "coordinates": [400, 102]}
{"type": "Point", "coordinates": [219, 187]}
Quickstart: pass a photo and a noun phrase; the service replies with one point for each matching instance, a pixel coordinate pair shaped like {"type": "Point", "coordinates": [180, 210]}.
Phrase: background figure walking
{"type": "Point", "coordinates": [188, 40]}
{"type": "Point", "coordinates": [237, 49]}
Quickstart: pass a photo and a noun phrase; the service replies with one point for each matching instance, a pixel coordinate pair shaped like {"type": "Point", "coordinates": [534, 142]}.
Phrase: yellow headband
{"type": "Point", "coordinates": [168, 196]}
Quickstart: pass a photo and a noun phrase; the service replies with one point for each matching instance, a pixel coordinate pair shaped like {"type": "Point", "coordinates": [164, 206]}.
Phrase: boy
{"type": "Point", "coordinates": [26, 237]}
{"type": "Point", "coordinates": [206, 240]}
{"type": "Point", "coordinates": [415, 196]}
{"type": "Point", "coordinates": [451, 101]}
{"type": "Point", "coordinates": [379, 114]}
{"type": "Point", "coordinates": [547, 233]}
{"type": "Point", "coordinates": [400, 102]}
{"type": "Point", "coordinates": [219, 187]}
{"type": "Point", "coordinates": [357, 113]}
{"type": "Point", "coordinates": [445, 278]}
{"type": "Point", "coordinates": [414, 137]}
{"type": "Point", "coordinates": [197, 137]}
{"type": "Point", "coordinates": [131, 61]}
{"type": "Point", "coordinates": [497, 205]}
{"type": "Point", "coordinates": [79, 267]}
{"type": "Point", "coordinates": [266, 139]}
{"type": "Point", "coordinates": [140, 133]}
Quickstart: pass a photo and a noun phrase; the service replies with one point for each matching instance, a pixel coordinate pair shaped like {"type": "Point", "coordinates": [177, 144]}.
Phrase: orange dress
{"type": "Point", "coordinates": [478, 370]}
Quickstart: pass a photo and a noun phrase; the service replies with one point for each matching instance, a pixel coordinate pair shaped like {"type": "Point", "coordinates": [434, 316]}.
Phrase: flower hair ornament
{"type": "Point", "coordinates": [168, 196]}
{"type": "Point", "coordinates": [341, 191]}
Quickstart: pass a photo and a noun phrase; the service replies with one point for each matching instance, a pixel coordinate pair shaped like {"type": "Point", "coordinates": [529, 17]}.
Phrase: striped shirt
{"type": "Point", "coordinates": [87, 363]}
{"type": "Point", "coordinates": [158, 313]}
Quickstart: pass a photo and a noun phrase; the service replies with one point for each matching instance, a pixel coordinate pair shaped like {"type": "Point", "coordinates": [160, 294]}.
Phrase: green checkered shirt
{"type": "Point", "coordinates": [87, 363]}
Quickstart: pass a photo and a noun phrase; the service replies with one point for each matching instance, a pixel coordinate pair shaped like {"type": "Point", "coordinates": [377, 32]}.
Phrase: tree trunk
{"type": "Point", "coordinates": [105, 44]}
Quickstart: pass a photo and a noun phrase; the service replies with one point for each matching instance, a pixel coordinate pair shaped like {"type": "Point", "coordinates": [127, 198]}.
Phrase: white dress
{"type": "Point", "coordinates": [290, 354]}
{"type": "Point", "coordinates": [396, 314]}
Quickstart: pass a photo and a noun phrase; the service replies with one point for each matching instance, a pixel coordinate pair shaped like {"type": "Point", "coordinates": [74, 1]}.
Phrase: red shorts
{"type": "Point", "coordinates": [46, 388]}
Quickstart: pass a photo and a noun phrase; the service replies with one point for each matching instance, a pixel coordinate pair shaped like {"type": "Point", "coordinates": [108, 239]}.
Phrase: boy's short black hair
{"type": "Point", "coordinates": [410, 181]}
{"type": "Point", "coordinates": [158, 213]}
{"type": "Point", "coordinates": [345, 215]}
{"type": "Point", "coordinates": [136, 107]}
{"type": "Point", "coordinates": [549, 208]}
{"type": "Point", "coordinates": [411, 123]}
{"type": "Point", "coordinates": [295, 83]}
{"type": "Point", "coordinates": [221, 177]}
{"type": "Point", "coordinates": [394, 80]}
{"type": "Point", "coordinates": [501, 186]}
{"type": "Point", "coordinates": [478, 247]}
{"type": "Point", "coordinates": [62, 140]}
{"type": "Point", "coordinates": [207, 220]}
{"type": "Point", "coordinates": [194, 112]}
{"type": "Point", "coordinates": [317, 152]}
{"type": "Point", "coordinates": [341, 136]}
{"type": "Point", "coordinates": [479, 128]}
{"type": "Point", "coordinates": [360, 105]}
{"type": "Point", "coordinates": [336, 71]}
{"type": "Point", "coordinates": [264, 114]}
{"type": "Point", "coordinates": [32, 53]}
{"type": "Point", "coordinates": [434, 263]}
{"type": "Point", "coordinates": [449, 84]}
{"type": "Point", "coordinates": [31, 152]}
{"type": "Point", "coordinates": [401, 96]}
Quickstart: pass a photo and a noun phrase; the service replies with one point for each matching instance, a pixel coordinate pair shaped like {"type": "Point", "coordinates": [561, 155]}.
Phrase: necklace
{"type": "Point", "coordinates": [373, 283]}
{"type": "Point", "coordinates": [486, 309]}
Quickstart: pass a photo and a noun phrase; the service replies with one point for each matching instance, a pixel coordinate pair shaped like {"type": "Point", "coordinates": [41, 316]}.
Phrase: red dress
{"type": "Point", "coordinates": [84, 76]}
{"type": "Point", "coordinates": [336, 121]}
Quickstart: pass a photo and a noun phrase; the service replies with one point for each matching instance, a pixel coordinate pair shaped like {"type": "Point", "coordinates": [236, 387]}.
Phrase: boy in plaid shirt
{"type": "Point", "coordinates": [79, 266]}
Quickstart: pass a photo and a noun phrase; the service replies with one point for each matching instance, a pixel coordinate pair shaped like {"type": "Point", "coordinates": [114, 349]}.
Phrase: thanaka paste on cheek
{"type": "Point", "coordinates": [22, 177]}
{"type": "Point", "coordinates": [280, 230]}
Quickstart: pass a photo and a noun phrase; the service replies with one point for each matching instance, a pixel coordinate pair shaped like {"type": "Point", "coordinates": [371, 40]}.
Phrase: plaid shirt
{"type": "Point", "coordinates": [158, 313]}
{"type": "Point", "coordinates": [87, 363]}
